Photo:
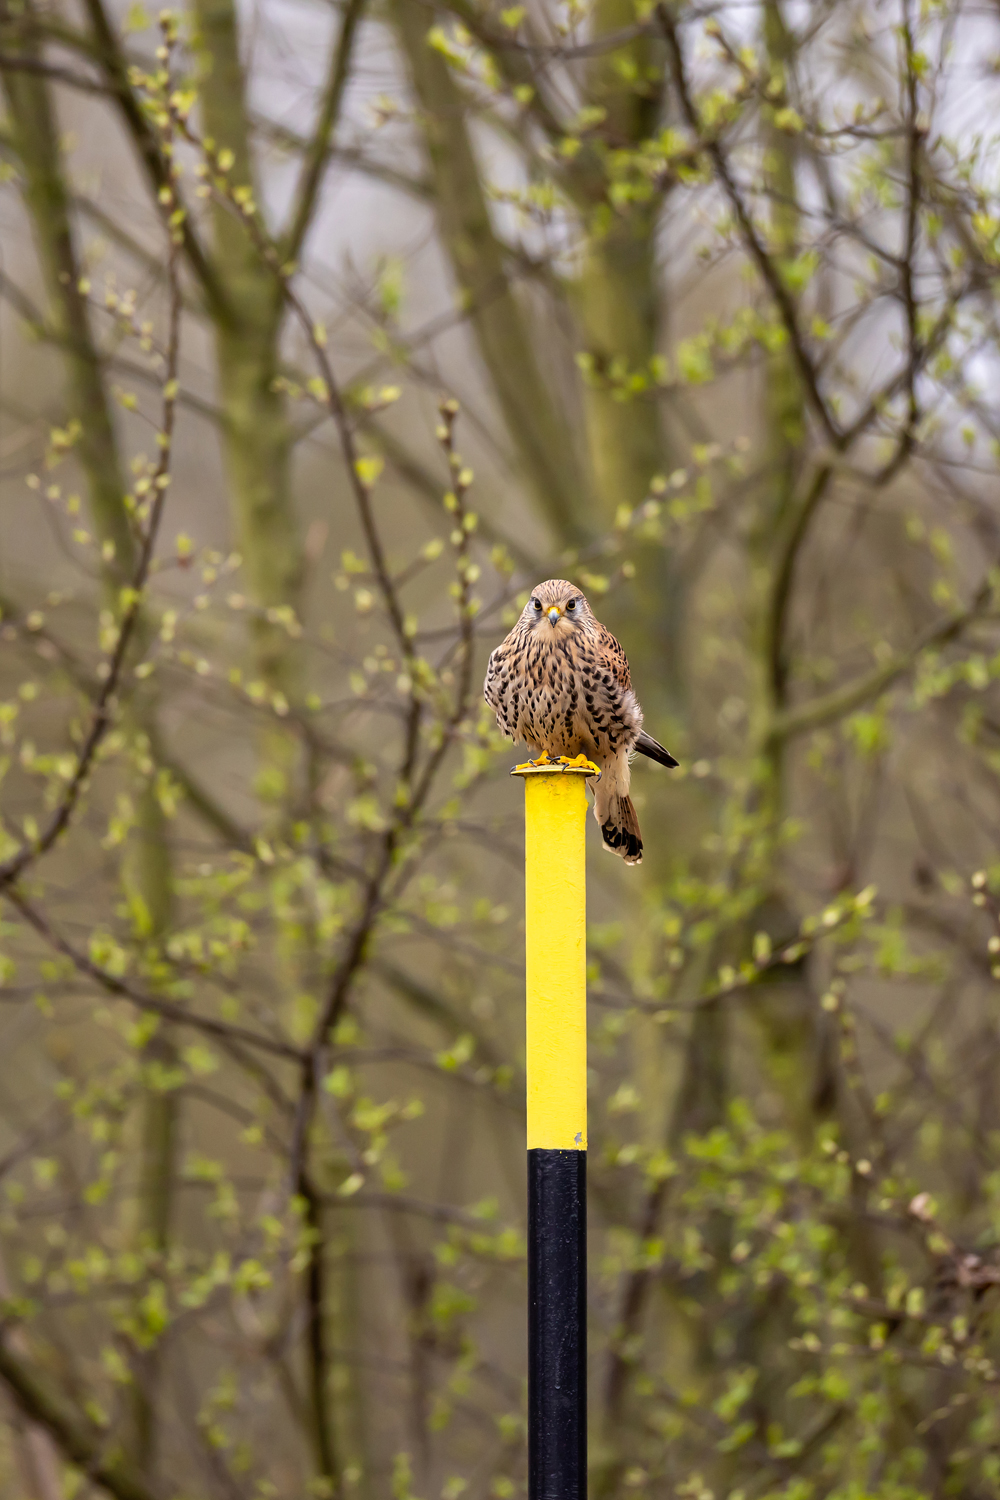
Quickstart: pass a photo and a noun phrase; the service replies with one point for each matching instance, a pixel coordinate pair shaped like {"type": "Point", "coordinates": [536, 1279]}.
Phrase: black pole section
{"type": "Point", "coordinates": [557, 1325]}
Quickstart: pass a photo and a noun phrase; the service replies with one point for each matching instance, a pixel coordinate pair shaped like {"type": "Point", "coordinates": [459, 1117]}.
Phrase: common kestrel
{"type": "Point", "coordinates": [560, 683]}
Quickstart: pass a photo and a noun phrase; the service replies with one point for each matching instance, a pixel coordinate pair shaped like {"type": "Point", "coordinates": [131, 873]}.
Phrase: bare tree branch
{"type": "Point", "coordinates": [837, 704]}
{"type": "Point", "coordinates": [318, 152]}
{"type": "Point", "coordinates": [78, 1440]}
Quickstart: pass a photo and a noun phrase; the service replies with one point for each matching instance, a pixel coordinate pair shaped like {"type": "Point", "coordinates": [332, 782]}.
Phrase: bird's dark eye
{"type": "Point", "coordinates": [571, 604]}
{"type": "Point", "coordinates": [537, 603]}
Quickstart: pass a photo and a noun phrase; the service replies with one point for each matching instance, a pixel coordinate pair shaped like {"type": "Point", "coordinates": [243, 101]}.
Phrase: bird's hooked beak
{"type": "Point", "coordinates": [554, 614]}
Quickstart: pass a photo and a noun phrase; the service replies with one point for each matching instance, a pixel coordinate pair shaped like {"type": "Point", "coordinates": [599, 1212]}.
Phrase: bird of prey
{"type": "Point", "coordinates": [560, 683]}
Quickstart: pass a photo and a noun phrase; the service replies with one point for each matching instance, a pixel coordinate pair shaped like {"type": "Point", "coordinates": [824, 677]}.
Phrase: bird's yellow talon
{"type": "Point", "coordinates": [580, 761]}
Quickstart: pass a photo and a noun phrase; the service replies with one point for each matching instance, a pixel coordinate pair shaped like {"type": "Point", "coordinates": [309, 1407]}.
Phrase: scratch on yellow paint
{"type": "Point", "coordinates": [555, 807]}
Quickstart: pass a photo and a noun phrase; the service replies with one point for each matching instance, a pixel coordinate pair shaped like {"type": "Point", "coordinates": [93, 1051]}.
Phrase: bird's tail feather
{"type": "Point", "coordinates": [620, 831]}
{"type": "Point", "coordinates": [646, 745]}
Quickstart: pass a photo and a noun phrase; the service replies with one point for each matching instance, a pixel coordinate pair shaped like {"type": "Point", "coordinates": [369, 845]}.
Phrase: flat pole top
{"type": "Point", "coordinates": [580, 766]}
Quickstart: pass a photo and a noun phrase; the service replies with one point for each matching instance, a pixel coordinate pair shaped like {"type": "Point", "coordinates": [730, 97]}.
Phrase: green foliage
{"type": "Point", "coordinates": [724, 283]}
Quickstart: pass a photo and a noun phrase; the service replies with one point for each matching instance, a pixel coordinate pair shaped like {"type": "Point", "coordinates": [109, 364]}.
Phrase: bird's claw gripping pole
{"type": "Point", "coordinates": [559, 763]}
{"type": "Point", "coordinates": [556, 1065]}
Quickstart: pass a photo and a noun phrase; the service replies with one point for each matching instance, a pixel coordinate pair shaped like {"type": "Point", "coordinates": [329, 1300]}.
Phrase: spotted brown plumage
{"type": "Point", "coordinates": [560, 683]}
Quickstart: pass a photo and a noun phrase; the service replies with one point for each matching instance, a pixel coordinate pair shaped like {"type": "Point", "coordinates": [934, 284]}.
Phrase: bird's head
{"type": "Point", "coordinates": [557, 609]}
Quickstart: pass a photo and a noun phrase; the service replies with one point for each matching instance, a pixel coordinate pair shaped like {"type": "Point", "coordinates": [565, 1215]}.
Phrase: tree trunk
{"type": "Point", "coordinates": [617, 299]}
{"type": "Point", "coordinates": [542, 438]}
{"type": "Point", "coordinates": [256, 431]}
{"type": "Point", "coordinates": [147, 870]}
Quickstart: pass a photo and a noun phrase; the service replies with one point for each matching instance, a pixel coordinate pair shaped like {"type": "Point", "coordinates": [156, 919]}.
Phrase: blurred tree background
{"type": "Point", "coordinates": [327, 329]}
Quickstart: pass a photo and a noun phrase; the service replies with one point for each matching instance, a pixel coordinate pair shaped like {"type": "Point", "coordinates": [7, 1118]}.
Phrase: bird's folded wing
{"type": "Point", "coordinates": [611, 656]}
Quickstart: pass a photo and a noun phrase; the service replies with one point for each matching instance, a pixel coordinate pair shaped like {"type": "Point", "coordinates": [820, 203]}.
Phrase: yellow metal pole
{"type": "Point", "coordinates": [555, 919]}
{"type": "Point", "coordinates": [555, 807]}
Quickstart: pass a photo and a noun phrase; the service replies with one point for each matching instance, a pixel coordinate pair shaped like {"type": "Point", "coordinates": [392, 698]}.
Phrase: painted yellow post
{"type": "Point", "coordinates": [555, 919]}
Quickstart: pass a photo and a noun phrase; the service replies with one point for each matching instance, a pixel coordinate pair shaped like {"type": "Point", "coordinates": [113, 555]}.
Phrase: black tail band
{"type": "Point", "coordinates": [619, 839]}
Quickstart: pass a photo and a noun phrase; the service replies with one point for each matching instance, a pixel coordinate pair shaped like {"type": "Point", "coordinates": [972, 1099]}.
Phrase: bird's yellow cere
{"type": "Point", "coordinates": [555, 811]}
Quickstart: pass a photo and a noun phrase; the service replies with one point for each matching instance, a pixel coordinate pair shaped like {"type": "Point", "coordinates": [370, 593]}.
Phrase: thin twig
{"type": "Point", "coordinates": [318, 153]}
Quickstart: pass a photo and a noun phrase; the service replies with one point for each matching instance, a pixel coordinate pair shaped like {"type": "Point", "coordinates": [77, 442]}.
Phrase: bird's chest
{"type": "Point", "coordinates": [564, 703]}
{"type": "Point", "coordinates": [536, 688]}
